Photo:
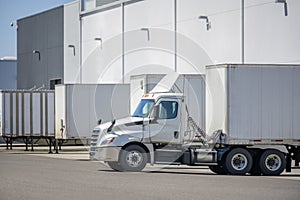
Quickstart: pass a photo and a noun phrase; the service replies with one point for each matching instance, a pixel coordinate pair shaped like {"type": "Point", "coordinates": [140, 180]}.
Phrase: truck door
{"type": "Point", "coordinates": [166, 127]}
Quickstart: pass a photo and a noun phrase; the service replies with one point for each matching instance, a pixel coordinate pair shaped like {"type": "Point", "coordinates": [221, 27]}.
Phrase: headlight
{"type": "Point", "coordinates": [108, 141]}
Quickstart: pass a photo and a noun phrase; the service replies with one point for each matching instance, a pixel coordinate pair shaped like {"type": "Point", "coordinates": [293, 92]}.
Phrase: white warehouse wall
{"type": "Point", "coordinates": [71, 43]}
{"type": "Point", "coordinates": [270, 37]}
{"type": "Point", "coordinates": [99, 57]}
{"type": "Point", "coordinates": [154, 53]}
{"type": "Point", "coordinates": [222, 43]}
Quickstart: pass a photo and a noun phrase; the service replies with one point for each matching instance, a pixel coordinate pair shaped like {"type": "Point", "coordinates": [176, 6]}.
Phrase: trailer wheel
{"type": "Point", "coordinates": [133, 158]}
{"type": "Point", "coordinates": [238, 161]}
{"type": "Point", "coordinates": [272, 162]}
{"type": "Point", "coordinates": [115, 166]}
{"type": "Point", "coordinates": [218, 169]}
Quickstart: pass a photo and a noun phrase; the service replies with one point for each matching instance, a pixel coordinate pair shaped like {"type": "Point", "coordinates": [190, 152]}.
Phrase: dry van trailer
{"type": "Point", "coordinates": [27, 115]}
{"type": "Point", "coordinates": [256, 105]}
{"type": "Point", "coordinates": [80, 106]}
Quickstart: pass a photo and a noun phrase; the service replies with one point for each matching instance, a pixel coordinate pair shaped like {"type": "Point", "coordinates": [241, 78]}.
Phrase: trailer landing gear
{"type": "Point", "coordinates": [8, 141]}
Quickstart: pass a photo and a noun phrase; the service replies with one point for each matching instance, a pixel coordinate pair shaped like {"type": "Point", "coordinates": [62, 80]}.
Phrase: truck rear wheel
{"type": "Point", "coordinates": [133, 158]}
{"type": "Point", "coordinates": [115, 166]}
{"type": "Point", "coordinates": [218, 169]}
{"type": "Point", "coordinates": [238, 161]}
{"type": "Point", "coordinates": [272, 162]}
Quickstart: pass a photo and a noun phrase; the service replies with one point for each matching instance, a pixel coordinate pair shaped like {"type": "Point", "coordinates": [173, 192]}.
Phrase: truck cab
{"type": "Point", "coordinates": [157, 132]}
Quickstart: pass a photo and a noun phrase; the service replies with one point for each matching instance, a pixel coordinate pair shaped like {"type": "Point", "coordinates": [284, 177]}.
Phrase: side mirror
{"type": "Point", "coordinates": [155, 112]}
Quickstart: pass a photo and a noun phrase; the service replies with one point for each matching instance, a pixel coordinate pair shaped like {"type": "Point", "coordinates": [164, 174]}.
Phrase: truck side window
{"type": "Point", "coordinates": [168, 109]}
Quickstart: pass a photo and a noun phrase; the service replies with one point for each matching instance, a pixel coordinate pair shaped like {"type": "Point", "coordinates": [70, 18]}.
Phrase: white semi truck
{"type": "Point", "coordinates": [252, 115]}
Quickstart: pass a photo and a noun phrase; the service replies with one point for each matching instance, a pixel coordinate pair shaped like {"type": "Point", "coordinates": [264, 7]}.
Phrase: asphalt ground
{"type": "Point", "coordinates": [70, 175]}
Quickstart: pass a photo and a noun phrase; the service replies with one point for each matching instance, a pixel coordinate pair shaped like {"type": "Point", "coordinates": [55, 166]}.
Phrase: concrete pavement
{"type": "Point", "coordinates": [70, 175]}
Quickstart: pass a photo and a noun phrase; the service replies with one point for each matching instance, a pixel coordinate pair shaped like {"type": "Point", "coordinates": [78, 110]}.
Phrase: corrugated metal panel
{"type": "Point", "coordinates": [27, 113]}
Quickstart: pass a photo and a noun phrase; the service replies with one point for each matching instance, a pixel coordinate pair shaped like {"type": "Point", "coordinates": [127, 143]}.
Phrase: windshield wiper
{"type": "Point", "coordinates": [111, 126]}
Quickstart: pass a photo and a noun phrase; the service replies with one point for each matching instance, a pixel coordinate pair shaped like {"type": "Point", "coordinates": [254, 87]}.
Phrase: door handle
{"type": "Point", "coordinates": [176, 134]}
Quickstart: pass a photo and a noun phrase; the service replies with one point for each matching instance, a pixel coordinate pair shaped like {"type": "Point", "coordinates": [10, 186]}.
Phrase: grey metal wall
{"type": "Point", "coordinates": [8, 74]}
{"type": "Point", "coordinates": [42, 32]}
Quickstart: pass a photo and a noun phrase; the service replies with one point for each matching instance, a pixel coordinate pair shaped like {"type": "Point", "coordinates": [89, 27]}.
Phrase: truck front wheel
{"type": "Point", "coordinates": [272, 162]}
{"type": "Point", "coordinates": [238, 161]}
{"type": "Point", "coordinates": [133, 158]}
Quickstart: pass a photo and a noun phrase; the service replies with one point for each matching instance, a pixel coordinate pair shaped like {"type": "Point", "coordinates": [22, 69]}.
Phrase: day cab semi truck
{"type": "Point", "coordinates": [252, 124]}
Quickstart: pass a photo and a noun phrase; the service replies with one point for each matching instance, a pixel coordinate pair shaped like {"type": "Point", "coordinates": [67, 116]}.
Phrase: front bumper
{"type": "Point", "coordinates": [106, 153]}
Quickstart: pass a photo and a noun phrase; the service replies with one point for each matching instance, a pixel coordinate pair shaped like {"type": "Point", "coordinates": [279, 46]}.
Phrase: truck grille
{"type": "Point", "coordinates": [94, 140]}
{"type": "Point", "coordinates": [92, 149]}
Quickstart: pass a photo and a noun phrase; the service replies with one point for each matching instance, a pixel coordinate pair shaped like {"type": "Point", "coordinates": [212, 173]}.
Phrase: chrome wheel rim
{"type": "Point", "coordinates": [239, 162]}
{"type": "Point", "coordinates": [273, 162]}
{"type": "Point", "coordinates": [134, 158]}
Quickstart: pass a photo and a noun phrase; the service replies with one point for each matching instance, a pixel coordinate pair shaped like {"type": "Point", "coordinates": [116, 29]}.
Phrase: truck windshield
{"type": "Point", "coordinates": [143, 108]}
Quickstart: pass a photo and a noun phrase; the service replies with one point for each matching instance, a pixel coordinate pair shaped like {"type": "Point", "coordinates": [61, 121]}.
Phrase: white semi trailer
{"type": "Point", "coordinates": [252, 113]}
{"type": "Point", "coordinates": [77, 103]}
{"type": "Point", "coordinates": [27, 115]}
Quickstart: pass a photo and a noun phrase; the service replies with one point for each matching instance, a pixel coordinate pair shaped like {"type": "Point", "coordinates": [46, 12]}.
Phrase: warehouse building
{"type": "Point", "coordinates": [48, 48]}
{"type": "Point", "coordinates": [8, 73]}
{"type": "Point", "coordinates": [107, 41]}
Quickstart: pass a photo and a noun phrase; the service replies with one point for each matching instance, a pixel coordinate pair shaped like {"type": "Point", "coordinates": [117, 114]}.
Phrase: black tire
{"type": "Point", "coordinates": [218, 169]}
{"type": "Point", "coordinates": [272, 162]}
{"type": "Point", "coordinates": [115, 166]}
{"type": "Point", "coordinates": [238, 161]}
{"type": "Point", "coordinates": [133, 158]}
